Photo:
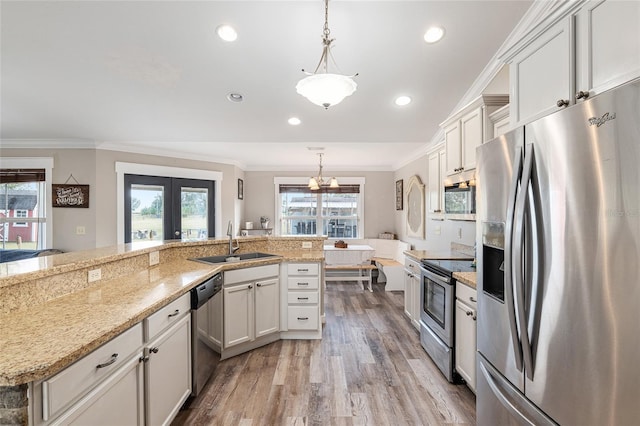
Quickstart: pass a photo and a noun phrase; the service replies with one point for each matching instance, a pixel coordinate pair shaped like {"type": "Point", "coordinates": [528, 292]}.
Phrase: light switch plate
{"type": "Point", "coordinates": [154, 258]}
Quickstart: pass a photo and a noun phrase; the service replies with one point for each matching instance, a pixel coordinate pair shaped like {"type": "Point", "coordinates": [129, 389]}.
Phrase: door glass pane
{"type": "Point", "coordinates": [147, 212]}
{"type": "Point", "coordinates": [194, 212]}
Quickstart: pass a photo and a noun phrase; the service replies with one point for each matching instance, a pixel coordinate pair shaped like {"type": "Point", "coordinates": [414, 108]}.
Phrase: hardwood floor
{"type": "Point", "coordinates": [369, 369]}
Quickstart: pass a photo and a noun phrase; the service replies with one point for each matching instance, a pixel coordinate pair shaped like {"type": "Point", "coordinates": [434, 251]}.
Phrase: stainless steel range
{"type": "Point", "coordinates": [438, 296]}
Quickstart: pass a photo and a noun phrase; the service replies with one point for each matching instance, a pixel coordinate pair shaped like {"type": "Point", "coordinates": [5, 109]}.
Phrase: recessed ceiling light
{"type": "Point", "coordinates": [235, 97]}
{"type": "Point", "coordinates": [433, 34]}
{"type": "Point", "coordinates": [294, 121]}
{"type": "Point", "coordinates": [403, 100]}
{"type": "Point", "coordinates": [227, 33]}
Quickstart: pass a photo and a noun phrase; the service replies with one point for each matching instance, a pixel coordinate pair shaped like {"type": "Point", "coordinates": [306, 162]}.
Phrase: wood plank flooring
{"type": "Point", "coordinates": [369, 369]}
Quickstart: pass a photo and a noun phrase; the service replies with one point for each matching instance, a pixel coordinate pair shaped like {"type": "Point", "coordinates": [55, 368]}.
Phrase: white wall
{"type": "Point", "coordinates": [439, 234]}
{"type": "Point", "coordinates": [379, 197]}
{"type": "Point", "coordinates": [97, 169]}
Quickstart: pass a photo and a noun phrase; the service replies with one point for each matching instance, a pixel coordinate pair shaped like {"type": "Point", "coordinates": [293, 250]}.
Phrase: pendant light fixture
{"type": "Point", "coordinates": [316, 182]}
{"type": "Point", "coordinates": [322, 87]}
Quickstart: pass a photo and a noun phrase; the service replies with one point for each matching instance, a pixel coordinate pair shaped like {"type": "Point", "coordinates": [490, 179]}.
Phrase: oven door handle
{"type": "Point", "coordinates": [436, 277]}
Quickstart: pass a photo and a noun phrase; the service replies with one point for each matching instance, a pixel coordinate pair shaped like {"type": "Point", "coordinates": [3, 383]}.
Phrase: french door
{"type": "Point", "coordinates": [164, 208]}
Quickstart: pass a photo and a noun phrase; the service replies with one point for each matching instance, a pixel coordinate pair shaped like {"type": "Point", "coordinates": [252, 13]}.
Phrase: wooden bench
{"type": "Point", "coordinates": [391, 272]}
{"type": "Point", "coordinates": [360, 273]}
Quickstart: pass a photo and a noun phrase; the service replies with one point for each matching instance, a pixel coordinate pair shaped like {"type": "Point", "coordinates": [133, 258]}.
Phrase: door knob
{"type": "Point", "coordinates": [177, 233]}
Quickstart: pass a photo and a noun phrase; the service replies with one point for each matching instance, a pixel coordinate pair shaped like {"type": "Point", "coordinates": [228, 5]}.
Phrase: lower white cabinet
{"type": "Point", "coordinates": [251, 304]}
{"type": "Point", "coordinates": [142, 376]}
{"type": "Point", "coordinates": [116, 401]}
{"type": "Point", "coordinates": [465, 320]}
{"type": "Point", "coordinates": [412, 292]}
{"type": "Point", "coordinates": [302, 296]}
{"type": "Point", "coordinates": [168, 372]}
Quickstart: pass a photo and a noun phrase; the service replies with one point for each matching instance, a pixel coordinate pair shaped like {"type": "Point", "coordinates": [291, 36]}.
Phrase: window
{"type": "Point", "coordinates": [334, 212]}
{"type": "Point", "coordinates": [25, 213]}
{"type": "Point", "coordinates": [20, 213]}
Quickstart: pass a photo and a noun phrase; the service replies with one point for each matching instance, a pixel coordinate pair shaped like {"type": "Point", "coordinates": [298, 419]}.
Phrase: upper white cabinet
{"type": "Point", "coordinates": [607, 45]}
{"type": "Point", "coordinates": [437, 165]}
{"type": "Point", "coordinates": [467, 129]}
{"type": "Point", "coordinates": [582, 49]}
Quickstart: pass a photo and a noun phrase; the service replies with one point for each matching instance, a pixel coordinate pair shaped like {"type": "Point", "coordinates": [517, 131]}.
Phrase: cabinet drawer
{"type": "Point", "coordinates": [66, 386]}
{"type": "Point", "coordinates": [303, 269]}
{"type": "Point", "coordinates": [303, 283]}
{"type": "Point", "coordinates": [166, 316]}
{"type": "Point", "coordinates": [467, 295]}
{"type": "Point", "coordinates": [302, 297]}
{"type": "Point", "coordinates": [303, 318]}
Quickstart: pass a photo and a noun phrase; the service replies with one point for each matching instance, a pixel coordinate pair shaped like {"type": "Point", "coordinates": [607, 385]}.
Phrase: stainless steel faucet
{"type": "Point", "coordinates": [232, 249]}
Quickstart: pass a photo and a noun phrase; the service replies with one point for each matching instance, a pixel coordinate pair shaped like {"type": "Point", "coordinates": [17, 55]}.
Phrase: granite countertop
{"type": "Point", "coordinates": [437, 254]}
{"type": "Point", "coordinates": [39, 341]}
{"type": "Point", "coordinates": [468, 278]}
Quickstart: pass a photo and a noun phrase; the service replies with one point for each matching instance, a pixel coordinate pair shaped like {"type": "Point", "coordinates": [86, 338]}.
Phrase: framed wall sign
{"type": "Point", "coordinates": [399, 195]}
{"type": "Point", "coordinates": [240, 189]}
{"type": "Point", "coordinates": [70, 195]}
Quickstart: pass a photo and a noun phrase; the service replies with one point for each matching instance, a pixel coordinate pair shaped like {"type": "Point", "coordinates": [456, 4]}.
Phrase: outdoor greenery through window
{"type": "Point", "coordinates": [22, 209]}
{"type": "Point", "coordinates": [339, 215]}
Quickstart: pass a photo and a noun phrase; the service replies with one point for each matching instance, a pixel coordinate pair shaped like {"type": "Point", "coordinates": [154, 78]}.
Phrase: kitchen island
{"type": "Point", "coordinates": [51, 316]}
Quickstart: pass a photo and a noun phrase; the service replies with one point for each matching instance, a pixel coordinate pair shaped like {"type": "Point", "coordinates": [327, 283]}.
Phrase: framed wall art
{"type": "Point", "coordinates": [399, 194]}
{"type": "Point", "coordinates": [415, 208]}
{"type": "Point", "coordinates": [240, 189]}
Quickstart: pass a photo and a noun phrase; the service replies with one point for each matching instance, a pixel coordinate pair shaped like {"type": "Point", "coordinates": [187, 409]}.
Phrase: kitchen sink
{"type": "Point", "coordinates": [234, 257]}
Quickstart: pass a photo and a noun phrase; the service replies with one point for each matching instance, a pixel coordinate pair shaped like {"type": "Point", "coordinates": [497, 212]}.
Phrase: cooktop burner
{"type": "Point", "coordinates": [448, 267]}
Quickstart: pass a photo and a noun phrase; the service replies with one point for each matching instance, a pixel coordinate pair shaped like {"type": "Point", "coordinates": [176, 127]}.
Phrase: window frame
{"type": "Point", "coordinates": [319, 217]}
{"type": "Point", "coordinates": [45, 207]}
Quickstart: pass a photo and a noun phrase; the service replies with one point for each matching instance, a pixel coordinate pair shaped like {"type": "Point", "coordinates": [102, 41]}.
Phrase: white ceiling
{"type": "Point", "coordinates": [152, 76]}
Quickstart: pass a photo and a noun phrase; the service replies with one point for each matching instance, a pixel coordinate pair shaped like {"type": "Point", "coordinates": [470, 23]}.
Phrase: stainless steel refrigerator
{"type": "Point", "coordinates": [559, 268]}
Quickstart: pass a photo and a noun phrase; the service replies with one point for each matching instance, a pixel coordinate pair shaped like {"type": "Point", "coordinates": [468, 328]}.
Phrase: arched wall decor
{"type": "Point", "coordinates": [415, 207]}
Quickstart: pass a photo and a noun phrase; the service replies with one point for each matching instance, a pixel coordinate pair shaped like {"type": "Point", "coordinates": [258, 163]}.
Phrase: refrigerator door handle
{"type": "Point", "coordinates": [511, 399]}
{"type": "Point", "coordinates": [508, 260]}
{"type": "Point", "coordinates": [519, 225]}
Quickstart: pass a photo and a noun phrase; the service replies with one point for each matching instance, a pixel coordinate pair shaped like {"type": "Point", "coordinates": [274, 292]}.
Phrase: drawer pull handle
{"type": "Point", "coordinates": [154, 350]}
{"type": "Point", "coordinates": [472, 299]}
{"type": "Point", "coordinates": [303, 298]}
{"type": "Point", "coordinates": [303, 270]}
{"type": "Point", "coordinates": [303, 283]}
{"type": "Point", "coordinates": [175, 313]}
{"type": "Point", "coordinates": [113, 359]}
{"type": "Point", "coordinates": [303, 318]}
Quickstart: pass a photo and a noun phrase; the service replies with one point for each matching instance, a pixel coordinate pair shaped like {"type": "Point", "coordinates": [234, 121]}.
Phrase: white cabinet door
{"type": "Point", "coordinates": [267, 303]}
{"type": "Point", "coordinates": [116, 401]}
{"type": "Point", "coordinates": [168, 373]}
{"type": "Point", "coordinates": [416, 302]}
{"type": "Point", "coordinates": [435, 183]}
{"type": "Point", "coordinates": [466, 343]}
{"type": "Point", "coordinates": [238, 314]}
{"type": "Point", "coordinates": [452, 145]}
{"type": "Point", "coordinates": [408, 295]}
{"type": "Point", "coordinates": [541, 75]}
{"type": "Point", "coordinates": [471, 137]}
{"type": "Point", "coordinates": [608, 44]}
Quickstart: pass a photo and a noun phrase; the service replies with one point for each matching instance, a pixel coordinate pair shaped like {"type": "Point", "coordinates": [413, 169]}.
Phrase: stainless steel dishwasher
{"type": "Point", "coordinates": [206, 330]}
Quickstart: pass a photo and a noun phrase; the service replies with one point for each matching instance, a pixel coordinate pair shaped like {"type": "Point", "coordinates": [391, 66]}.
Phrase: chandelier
{"type": "Point", "coordinates": [322, 87]}
{"type": "Point", "coordinates": [316, 182]}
